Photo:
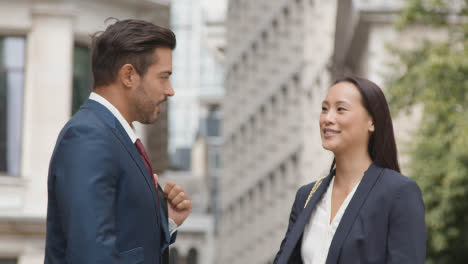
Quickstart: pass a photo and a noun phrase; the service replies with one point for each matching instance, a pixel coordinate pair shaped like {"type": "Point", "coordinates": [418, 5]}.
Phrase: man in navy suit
{"type": "Point", "coordinates": [104, 203]}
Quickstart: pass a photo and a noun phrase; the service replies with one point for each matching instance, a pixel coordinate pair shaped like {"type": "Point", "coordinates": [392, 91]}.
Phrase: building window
{"type": "Point", "coordinates": [173, 256]}
{"type": "Point", "coordinates": [12, 52]}
{"type": "Point", "coordinates": [192, 256]}
{"type": "Point", "coordinates": [8, 261]}
{"type": "Point", "coordinates": [82, 76]}
{"type": "Point", "coordinates": [213, 159]}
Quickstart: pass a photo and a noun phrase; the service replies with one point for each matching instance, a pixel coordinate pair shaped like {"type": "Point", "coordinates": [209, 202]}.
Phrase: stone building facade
{"type": "Point", "coordinates": [275, 76]}
{"type": "Point", "coordinates": [37, 85]}
{"type": "Point", "coordinates": [282, 56]}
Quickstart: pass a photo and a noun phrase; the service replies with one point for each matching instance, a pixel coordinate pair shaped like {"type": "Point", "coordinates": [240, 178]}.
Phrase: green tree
{"type": "Point", "coordinates": [435, 76]}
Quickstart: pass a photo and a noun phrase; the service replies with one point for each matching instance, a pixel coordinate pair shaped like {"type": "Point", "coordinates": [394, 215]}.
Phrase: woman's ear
{"type": "Point", "coordinates": [371, 126]}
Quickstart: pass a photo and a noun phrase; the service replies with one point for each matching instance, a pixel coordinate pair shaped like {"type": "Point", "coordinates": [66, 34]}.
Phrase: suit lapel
{"type": "Point", "coordinates": [108, 118]}
{"type": "Point", "coordinates": [368, 181]}
{"type": "Point", "coordinates": [164, 220]}
{"type": "Point", "coordinates": [302, 220]}
{"type": "Point", "coordinates": [131, 149]}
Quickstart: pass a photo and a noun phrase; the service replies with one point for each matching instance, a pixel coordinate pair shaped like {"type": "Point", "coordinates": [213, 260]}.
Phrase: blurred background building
{"type": "Point", "coordinates": [281, 57]}
{"type": "Point", "coordinates": [194, 122]}
{"type": "Point", "coordinates": [198, 71]}
{"type": "Point", "coordinates": [240, 135]}
{"type": "Point", "coordinates": [45, 76]}
{"type": "Point", "coordinates": [278, 57]}
{"type": "Point", "coordinates": [187, 23]}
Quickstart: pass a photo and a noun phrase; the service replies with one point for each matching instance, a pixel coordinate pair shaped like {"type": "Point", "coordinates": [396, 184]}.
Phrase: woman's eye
{"type": "Point", "coordinates": [324, 108]}
{"type": "Point", "coordinates": [340, 109]}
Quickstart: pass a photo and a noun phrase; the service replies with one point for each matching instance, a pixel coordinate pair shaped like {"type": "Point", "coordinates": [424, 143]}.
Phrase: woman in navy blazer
{"type": "Point", "coordinates": [382, 219]}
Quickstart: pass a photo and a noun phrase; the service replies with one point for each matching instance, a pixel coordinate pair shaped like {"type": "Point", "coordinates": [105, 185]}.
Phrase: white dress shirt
{"type": "Point", "coordinates": [130, 132]}
{"type": "Point", "coordinates": [319, 232]}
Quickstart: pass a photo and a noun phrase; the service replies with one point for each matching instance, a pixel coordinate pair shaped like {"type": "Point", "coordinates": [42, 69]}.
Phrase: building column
{"type": "Point", "coordinates": [47, 101]}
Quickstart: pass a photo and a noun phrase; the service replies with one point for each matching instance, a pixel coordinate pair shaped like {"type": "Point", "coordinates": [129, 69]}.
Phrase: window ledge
{"type": "Point", "coordinates": [22, 225]}
{"type": "Point", "coordinates": [14, 181]}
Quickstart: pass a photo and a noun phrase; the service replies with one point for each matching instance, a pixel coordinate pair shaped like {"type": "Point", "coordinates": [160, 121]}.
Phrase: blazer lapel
{"type": "Point", "coordinates": [166, 237]}
{"type": "Point", "coordinates": [368, 181]}
{"type": "Point", "coordinates": [108, 118]}
{"type": "Point", "coordinates": [302, 220]}
{"type": "Point", "coordinates": [131, 149]}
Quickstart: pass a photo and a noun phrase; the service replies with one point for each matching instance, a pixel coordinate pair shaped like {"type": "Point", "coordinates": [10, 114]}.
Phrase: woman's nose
{"type": "Point", "coordinates": [329, 117]}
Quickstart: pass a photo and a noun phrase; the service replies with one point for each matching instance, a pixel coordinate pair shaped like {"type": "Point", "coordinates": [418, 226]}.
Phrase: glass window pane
{"type": "Point", "coordinates": [2, 55]}
{"type": "Point", "coordinates": [3, 121]}
{"type": "Point", "coordinates": [82, 76]}
{"type": "Point", "coordinates": [15, 83]}
{"type": "Point", "coordinates": [8, 261]}
{"type": "Point", "coordinates": [12, 56]}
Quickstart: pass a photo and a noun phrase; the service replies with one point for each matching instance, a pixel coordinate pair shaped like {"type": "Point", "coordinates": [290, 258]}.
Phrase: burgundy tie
{"type": "Point", "coordinates": [145, 158]}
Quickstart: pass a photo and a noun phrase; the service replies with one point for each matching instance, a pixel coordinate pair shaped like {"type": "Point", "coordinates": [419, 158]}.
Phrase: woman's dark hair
{"type": "Point", "coordinates": [382, 147]}
{"type": "Point", "coordinates": [126, 41]}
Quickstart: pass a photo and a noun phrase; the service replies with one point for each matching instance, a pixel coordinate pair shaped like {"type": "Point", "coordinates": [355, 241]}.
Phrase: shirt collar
{"type": "Point", "coordinates": [129, 129]}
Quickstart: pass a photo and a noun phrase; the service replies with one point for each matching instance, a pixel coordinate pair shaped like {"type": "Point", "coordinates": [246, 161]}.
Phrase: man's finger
{"type": "Point", "coordinates": [168, 187]}
{"type": "Point", "coordinates": [186, 204]}
{"type": "Point", "coordinates": [174, 192]}
{"type": "Point", "coordinates": [178, 199]}
{"type": "Point", "coordinates": [156, 179]}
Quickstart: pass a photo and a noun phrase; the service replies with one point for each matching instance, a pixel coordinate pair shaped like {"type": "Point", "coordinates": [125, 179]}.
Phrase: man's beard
{"type": "Point", "coordinates": [146, 107]}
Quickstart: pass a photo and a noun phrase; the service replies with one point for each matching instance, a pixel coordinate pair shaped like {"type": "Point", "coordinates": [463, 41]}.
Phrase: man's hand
{"type": "Point", "coordinates": [178, 203]}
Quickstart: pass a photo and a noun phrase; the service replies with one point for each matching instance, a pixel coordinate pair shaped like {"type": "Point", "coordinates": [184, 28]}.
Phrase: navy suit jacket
{"type": "Point", "coordinates": [102, 204]}
{"type": "Point", "coordinates": [383, 223]}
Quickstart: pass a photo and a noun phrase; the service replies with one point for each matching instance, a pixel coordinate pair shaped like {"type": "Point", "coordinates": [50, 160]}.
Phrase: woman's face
{"type": "Point", "coordinates": [345, 125]}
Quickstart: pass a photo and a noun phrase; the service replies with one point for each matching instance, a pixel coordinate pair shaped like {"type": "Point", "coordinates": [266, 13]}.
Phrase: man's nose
{"type": "Point", "coordinates": [170, 90]}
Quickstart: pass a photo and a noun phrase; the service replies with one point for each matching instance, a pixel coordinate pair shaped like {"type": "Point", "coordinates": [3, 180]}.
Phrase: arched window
{"type": "Point", "coordinates": [173, 256]}
{"type": "Point", "coordinates": [192, 256]}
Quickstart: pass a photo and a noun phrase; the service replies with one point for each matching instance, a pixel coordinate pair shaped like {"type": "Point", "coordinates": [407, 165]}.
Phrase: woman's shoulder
{"type": "Point", "coordinates": [394, 181]}
{"type": "Point", "coordinates": [395, 177]}
{"type": "Point", "coordinates": [307, 186]}
{"type": "Point", "coordinates": [302, 194]}
{"type": "Point", "coordinates": [304, 190]}
{"type": "Point", "coordinates": [402, 195]}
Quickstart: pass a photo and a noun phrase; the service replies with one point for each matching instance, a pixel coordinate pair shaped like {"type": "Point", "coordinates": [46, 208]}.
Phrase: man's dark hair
{"type": "Point", "coordinates": [129, 41]}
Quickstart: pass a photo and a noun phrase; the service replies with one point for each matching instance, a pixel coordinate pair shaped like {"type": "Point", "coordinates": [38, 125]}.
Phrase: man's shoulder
{"type": "Point", "coordinates": [84, 125]}
{"type": "Point", "coordinates": [84, 137]}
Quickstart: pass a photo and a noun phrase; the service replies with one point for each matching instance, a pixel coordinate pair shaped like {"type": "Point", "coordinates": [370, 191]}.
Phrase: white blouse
{"type": "Point", "coordinates": [318, 232]}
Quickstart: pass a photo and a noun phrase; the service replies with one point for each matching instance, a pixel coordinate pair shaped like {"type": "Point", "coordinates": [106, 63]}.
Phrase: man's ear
{"type": "Point", "coordinates": [128, 76]}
